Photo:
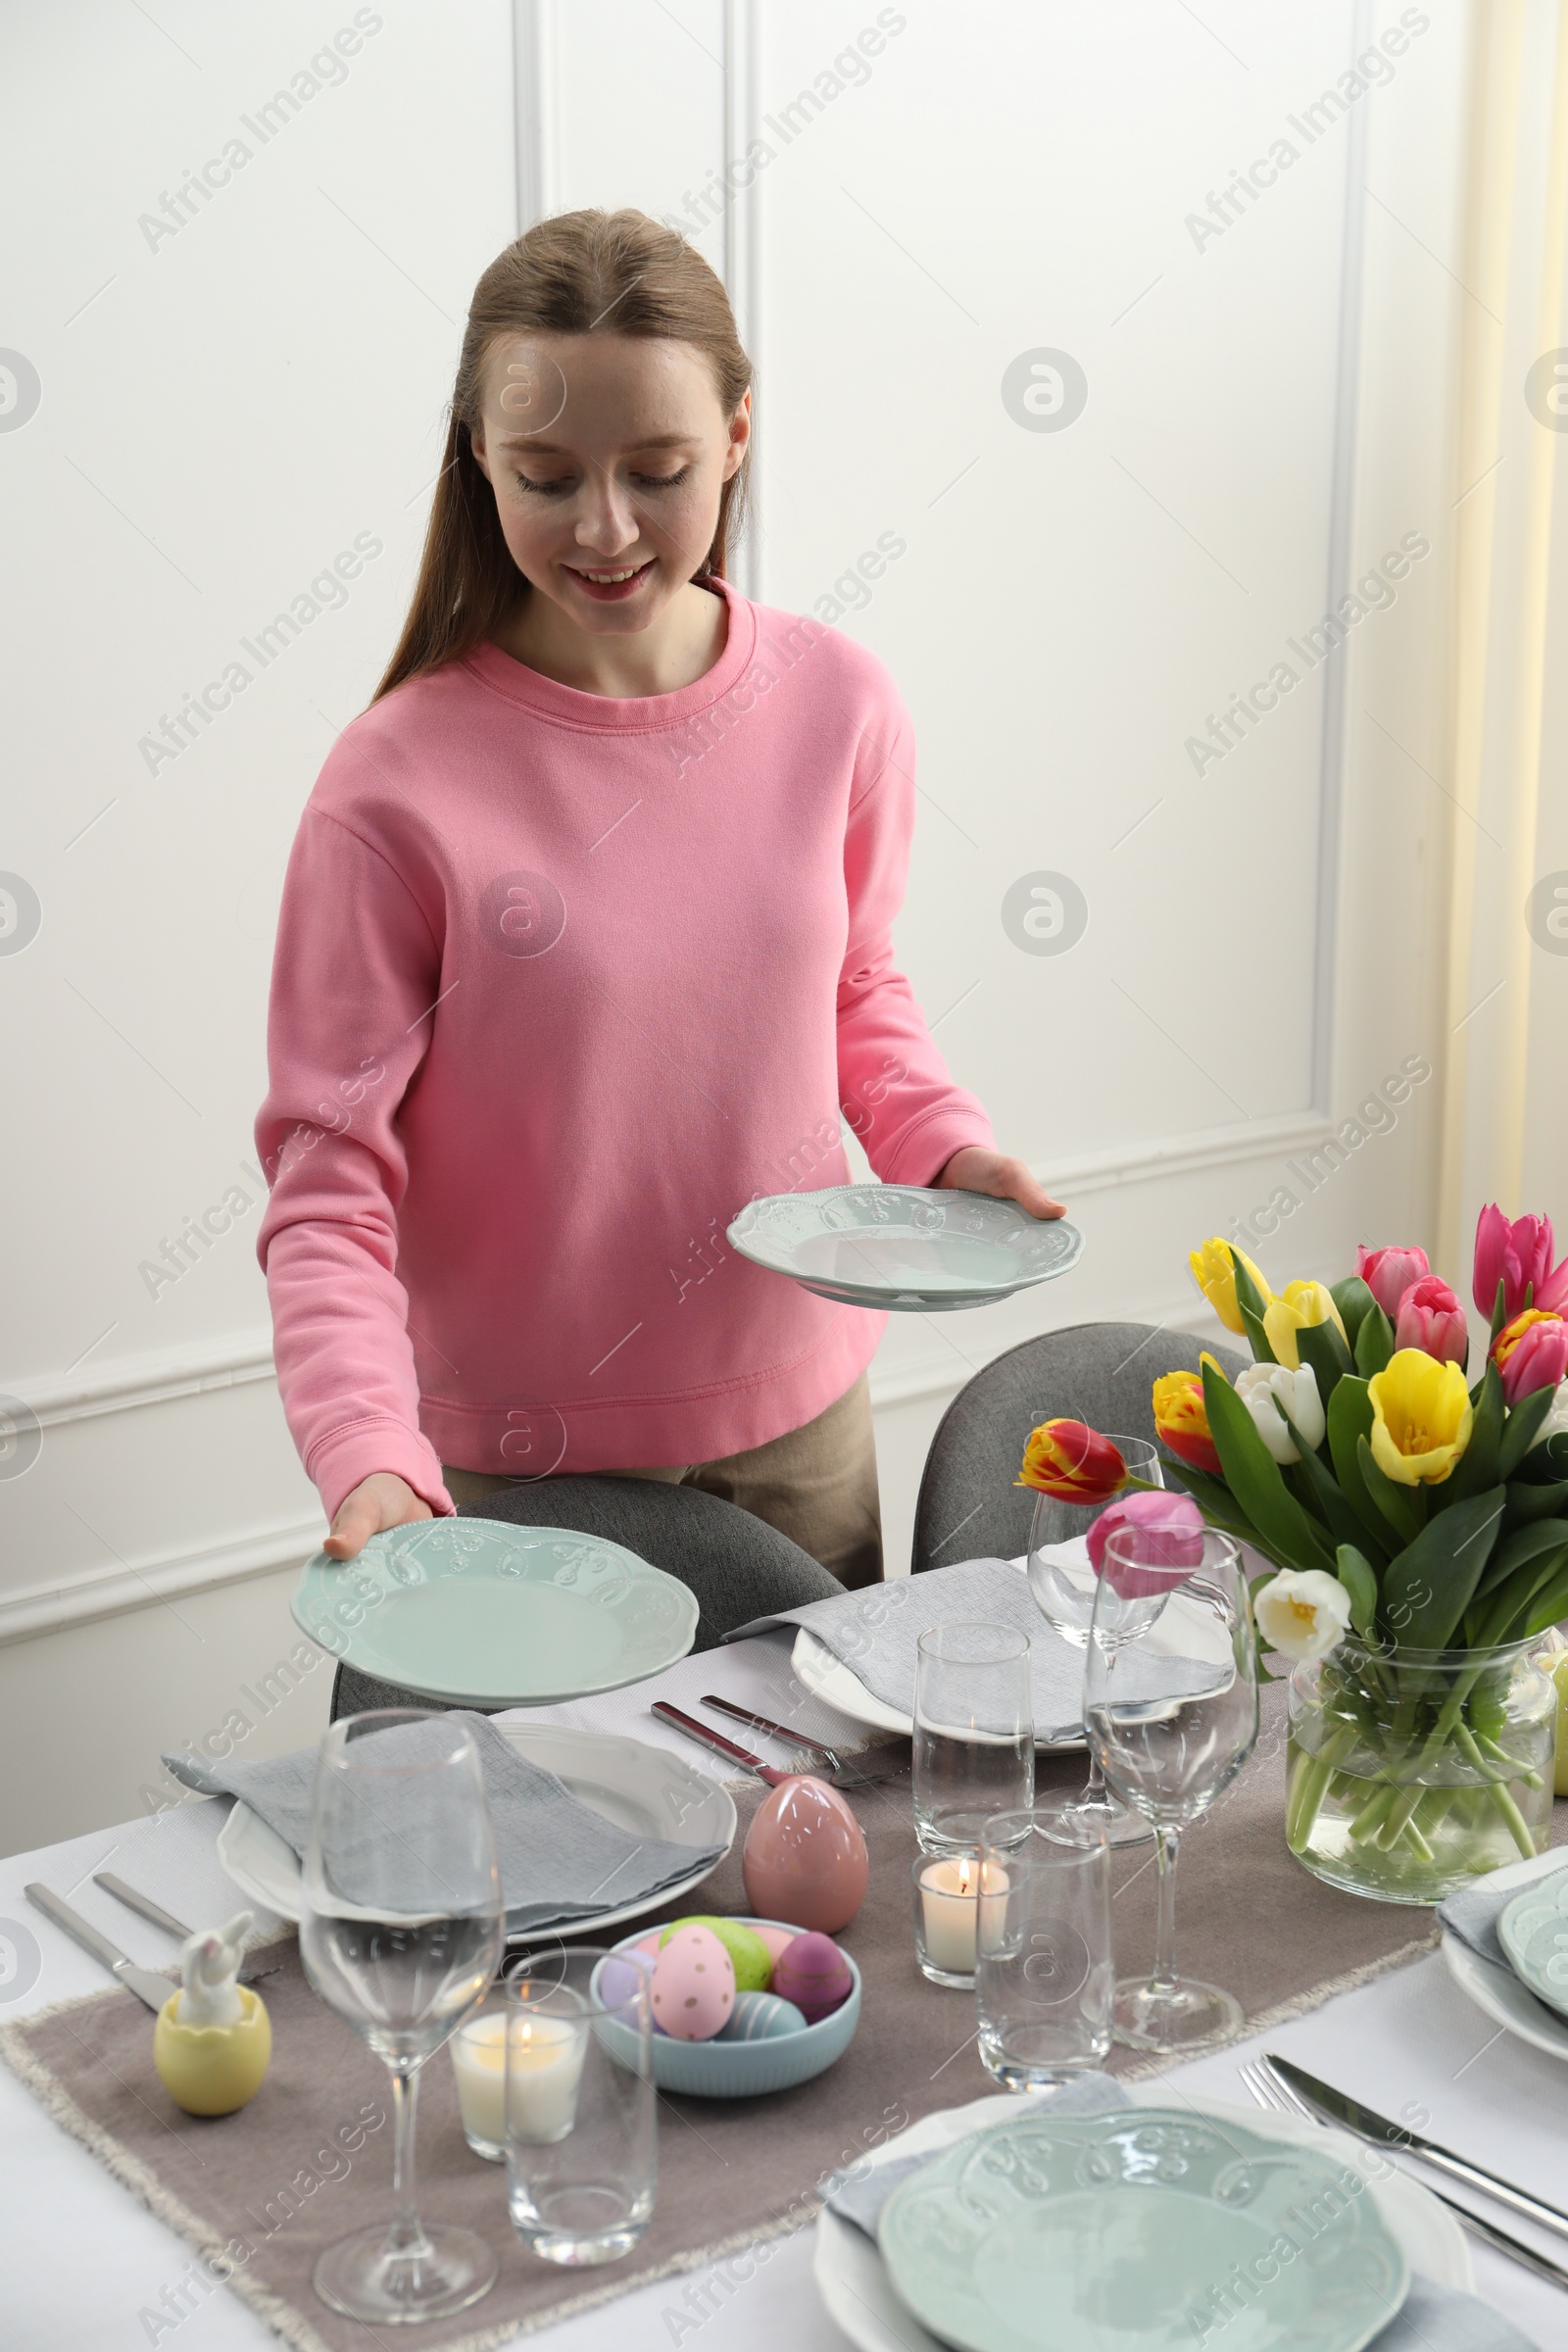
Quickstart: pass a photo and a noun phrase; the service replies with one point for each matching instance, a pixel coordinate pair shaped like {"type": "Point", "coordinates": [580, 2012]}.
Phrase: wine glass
{"type": "Point", "coordinates": [1065, 1595]}
{"type": "Point", "coordinates": [401, 1930]}
{"type": "Point", "coordinates": [1170, 1705]}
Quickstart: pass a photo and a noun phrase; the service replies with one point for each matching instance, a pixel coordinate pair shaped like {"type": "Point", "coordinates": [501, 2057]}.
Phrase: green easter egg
{"type": "Point", "coordinates": [753, 1962]}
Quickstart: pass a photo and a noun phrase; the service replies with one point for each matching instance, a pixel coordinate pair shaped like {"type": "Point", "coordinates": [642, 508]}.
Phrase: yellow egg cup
{"type": "Point", "coordinates": [211, 2070]}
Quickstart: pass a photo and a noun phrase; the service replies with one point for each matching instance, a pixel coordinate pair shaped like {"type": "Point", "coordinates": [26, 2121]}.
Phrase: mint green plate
{"type": "Point", "coordinates": [482, 1614]}
{"type": "Point", "coordinates": [1125, 2232]}
{"type": "Point", "coordinates": [1534, 1932]}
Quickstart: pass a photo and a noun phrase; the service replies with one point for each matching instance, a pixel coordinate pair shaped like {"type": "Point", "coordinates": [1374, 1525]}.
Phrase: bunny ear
{"type": "Point", "coordinates": [238, 1927]}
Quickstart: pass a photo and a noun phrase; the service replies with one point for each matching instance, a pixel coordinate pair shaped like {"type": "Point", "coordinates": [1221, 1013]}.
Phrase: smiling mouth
{"type": "Point", "coordinates": [610, 578]}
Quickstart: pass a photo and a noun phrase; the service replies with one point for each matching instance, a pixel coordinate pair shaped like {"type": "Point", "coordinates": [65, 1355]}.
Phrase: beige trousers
{"type": "Point", "coordinates": [816, 1484]}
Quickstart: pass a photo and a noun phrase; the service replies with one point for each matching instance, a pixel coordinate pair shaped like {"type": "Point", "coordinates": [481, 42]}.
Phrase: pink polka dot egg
{"type": "Point", "coordinates": [694, 1985]}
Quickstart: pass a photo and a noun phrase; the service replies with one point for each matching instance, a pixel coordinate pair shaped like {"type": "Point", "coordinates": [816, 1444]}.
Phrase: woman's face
{"type": "Point", "coordinates": [607, 455]}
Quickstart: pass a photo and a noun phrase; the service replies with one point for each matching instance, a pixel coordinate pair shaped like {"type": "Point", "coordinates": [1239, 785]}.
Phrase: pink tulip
{"type": "Point", "coordinates": [1516, 1254]}
{"type": "Point", "coordinates": [1432, 1319]}
{"type": "Point", "coordinates": [1388, 1274]}
{"type": "Point", "coordinates": [1169, 1532]}
{"type": "Point", "coordinates": [1530, 1351]}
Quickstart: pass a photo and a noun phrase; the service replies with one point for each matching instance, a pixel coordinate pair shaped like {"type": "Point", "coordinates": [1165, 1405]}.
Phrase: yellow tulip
{"type": "Point", "coordinates": [1301, 1304]}
{"type": "Point", "coordinates": [1421, 1417]}
{"type": "Point", "coordinates": [1214, 1272]}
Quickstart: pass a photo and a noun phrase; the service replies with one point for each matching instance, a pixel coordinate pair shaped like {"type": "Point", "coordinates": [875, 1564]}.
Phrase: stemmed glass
{"type": "Point", "coordinates": [1174, 1720]}
{"type": "Point", "coordinates": [401, 1930]}
{"type": "Point", "coordinates": [1064, 1595]}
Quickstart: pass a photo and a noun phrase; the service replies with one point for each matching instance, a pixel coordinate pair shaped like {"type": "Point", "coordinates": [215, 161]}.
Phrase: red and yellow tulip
{"type": "Point", "coordinates": [1181, 1418]}
{"type": "Point", "coordinates": [1073, 1463]}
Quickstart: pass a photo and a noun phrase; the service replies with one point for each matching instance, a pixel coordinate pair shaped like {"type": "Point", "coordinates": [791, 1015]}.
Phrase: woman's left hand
{"type": "Point", "coordinates": [972, 1170]}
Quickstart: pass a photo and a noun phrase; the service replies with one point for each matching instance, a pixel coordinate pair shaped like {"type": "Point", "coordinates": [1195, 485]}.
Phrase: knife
{"type": "Point", "coordinates": [144, 1983]}
{"type": "Point", "coordinates": [1369, 2126]}
{"type": "Point", "coordinates": [705, 1736]}
{"type": "Point", "coordinates": [134, 1900]}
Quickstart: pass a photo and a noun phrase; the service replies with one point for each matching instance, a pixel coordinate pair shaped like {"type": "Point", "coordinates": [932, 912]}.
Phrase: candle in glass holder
{"type": "Point", "coordinates": [545, 2057]}
{"type": "Point", "coordinates": [479, 2062]}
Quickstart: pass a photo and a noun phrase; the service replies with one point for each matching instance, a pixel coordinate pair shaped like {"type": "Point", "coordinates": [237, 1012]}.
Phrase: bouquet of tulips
{"type": "Point", "coordinates": [1419, 1524]}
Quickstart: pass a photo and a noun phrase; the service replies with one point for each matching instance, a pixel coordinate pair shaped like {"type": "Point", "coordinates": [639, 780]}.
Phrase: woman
{"type": "Point", "coordinates": [584, 944]}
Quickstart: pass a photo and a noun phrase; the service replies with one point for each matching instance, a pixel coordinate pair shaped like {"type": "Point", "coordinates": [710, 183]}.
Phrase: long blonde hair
{"type": "Point", "coordinates": [564, 276]}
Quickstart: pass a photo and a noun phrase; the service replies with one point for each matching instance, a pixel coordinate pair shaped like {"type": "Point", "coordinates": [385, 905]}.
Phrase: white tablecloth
{"type": "Point", "coordinates": [86, 2264]}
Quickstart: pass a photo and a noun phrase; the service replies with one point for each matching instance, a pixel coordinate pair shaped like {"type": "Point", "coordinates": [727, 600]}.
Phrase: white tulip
{"type": "Point", "coordinates": [1556, 1418]}
{"type": "Point", "coordinates": [1302, 1612]}
{"type": "Point", "coordinates": [1262, 1384]}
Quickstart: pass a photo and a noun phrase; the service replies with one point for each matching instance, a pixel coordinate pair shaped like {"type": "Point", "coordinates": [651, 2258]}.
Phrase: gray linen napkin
{"type": "Point", "coordinates": [1472, 1914]}
{"type": "Point", "coordinates": [876, 1633]}
{"type": "Point", "coordinates": [560, 1861]}
{"type": "Point", "coordinates": [1431, 2319]}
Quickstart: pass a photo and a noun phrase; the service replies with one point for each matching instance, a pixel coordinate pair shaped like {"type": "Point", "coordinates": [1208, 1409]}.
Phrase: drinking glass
{"type": "Point", "coordinates": [401, 1929]}
{"type": "Point", "coordinates": [1170, 1703]}
{"type": "Point", "coordinates": [581, 2145]}
{"type": "Point", "coordinates": [974, 1733]}
{"type": "Point", "coordinates": [1064, 1595]}
{"type": "Point", "coordinates": [1045, 1983]}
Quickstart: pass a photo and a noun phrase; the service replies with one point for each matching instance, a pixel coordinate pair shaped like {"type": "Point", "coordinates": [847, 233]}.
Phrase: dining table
{"type": "Point", "coordinates": [91, 2267]}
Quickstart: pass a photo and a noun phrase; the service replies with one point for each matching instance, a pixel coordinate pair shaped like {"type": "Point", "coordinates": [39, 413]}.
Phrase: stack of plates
{"type": "Point", "coordinates": [905, 1247]}
{"type": "Point", "coordinates": [1080, 2233]}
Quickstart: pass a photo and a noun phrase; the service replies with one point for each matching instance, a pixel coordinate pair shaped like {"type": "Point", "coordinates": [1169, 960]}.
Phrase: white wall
{"type": "Point", "coordinates": [224, 412]}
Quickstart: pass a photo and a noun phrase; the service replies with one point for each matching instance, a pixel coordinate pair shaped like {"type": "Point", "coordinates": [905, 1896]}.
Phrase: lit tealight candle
{"type": "Point", "coordinates": [544, 2063]}
{"type": "Point", "coordinates": [479, 2062]}
{"type": "Point", "coordinates": [949, 1898]}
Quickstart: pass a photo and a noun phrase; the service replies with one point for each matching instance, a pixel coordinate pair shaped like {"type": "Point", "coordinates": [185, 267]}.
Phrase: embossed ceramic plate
{"type": "Point", "coordinates": [854, 2283]}
{"type": "Point", "coordinates": [1080, 2233]}
{"type": "Point", "coordinates": [482, 1614]}
{"type": "Point", "coordinates": [1495, 1990]}
{"type": "Point", "coordinates": [1534, 1932]}
{"type": "Point", "coordinates": [902, 1245]}
{"type": "Point", "coordinates": [649, 1791]}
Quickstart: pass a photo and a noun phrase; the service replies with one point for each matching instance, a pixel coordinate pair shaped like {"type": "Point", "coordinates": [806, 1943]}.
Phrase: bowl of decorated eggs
{"type": "Point", "coordinates": [741, 2006]}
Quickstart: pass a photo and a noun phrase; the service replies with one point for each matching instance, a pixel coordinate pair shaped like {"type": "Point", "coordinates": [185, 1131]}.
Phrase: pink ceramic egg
{"type": "Point", "coordinates": [814, 1974]}
{"type": "Point", "coordinates": [694, 1985]}
{"type": "Point", "coordinates": [804, 1857]}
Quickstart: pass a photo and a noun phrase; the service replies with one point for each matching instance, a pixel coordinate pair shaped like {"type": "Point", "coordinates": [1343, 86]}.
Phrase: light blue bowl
{"type": "Point", "coordinates": [741, 2070]}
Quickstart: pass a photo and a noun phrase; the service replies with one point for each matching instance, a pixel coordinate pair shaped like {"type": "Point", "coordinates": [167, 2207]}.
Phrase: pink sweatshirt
{"type": "Point", "coordinates": [562, 982]}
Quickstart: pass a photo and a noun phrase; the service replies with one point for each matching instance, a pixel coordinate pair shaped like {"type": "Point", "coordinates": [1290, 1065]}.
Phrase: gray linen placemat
{"type": "Point", "coordinates": [1431, 2319]}
{"type": "Point", "coordinates": [560, 1861]}
{"type": "Point", "coordinates": [877, 1634]}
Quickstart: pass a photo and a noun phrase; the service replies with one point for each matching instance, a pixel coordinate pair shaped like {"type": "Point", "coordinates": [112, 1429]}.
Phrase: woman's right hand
{"type": "Point", "coordinates": [384, 1499]}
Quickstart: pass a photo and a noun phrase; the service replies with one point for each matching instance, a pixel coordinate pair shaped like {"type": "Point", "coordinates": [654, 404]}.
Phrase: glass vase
{"type": "Point", "coordinates": [1411, 1772]}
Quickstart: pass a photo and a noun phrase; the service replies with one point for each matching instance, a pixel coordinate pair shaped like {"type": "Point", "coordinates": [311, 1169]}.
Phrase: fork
{"type": "Point", "coordinates": [836, 1760]}
{"type": "Point", "coordinates": [1271, 2091]}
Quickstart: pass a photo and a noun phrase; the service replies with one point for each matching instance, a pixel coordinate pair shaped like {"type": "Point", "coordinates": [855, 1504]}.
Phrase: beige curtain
{"type": "Point", "coordinates": [1507, 1016]}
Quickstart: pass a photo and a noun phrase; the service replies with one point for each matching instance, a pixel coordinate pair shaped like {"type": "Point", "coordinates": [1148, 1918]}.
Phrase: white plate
{"type": "Point", "coordinates": [1497, 1990]}
{"type": "Point", "coordinates": [828, 1678]}
{"type": "Point", "coordinates": [859, 2297]}
{"type": "Point", "coordinates": [903, 1245]}
{"type": "Point", "coordinates": [648, 1790]}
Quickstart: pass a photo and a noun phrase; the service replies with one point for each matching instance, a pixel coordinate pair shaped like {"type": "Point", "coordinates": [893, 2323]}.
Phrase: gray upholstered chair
{"type": "Point", "coordinates": [738, 1566]}
{"type": "Point", "coordinates": [1102, 1373]}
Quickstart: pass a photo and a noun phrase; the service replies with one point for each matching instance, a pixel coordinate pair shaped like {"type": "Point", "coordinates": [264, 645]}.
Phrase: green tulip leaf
{"type": "Point", "coordinates": [1374, 1341]}
{"type": "Point", "coordinates": [1320, 1346]}
{"type": "Point", "coordinates": [1528, 1503]}
{"type": "Point", "coordinates": [1430, 1586]}
{"type": "Point", "coordinates": [1350, 1420]}
{"type": "Point", "coordinates": [1517, 1550]}
{"type": "Point", "coordinates": [1353, 1299]}
{"type": "Point", "coordinates": [1252, 1476]}
{"type": "Point", "coordinates": [1395, 1503]}
{"type": "Point", "coordinates": [1249, 1307]}
{"type": "Point", "coordinates": [1505, 1614]}
{"type": "Point", "coordinates": [1480, 1465]}
{"type": "Point", "coordinates": [1220, 1506]}
{"type": "Point", "coordinates": [1522, 1428]}
{"type": "Point", "coordinates": [1499, 1307]}
{"type": "Point", "coordinates": [1549, 1607]}
{"type": "Point", "coordinates": [1358, 1580]}
{"type": "Point", "coordinates": [1343, 1521]}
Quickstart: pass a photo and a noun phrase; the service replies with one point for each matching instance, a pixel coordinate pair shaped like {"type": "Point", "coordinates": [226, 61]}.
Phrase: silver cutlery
{"type": "Point", "coordinates": [706, 1736]}
{"type": "Point", "coordinates": [1376, 2128]}
{"type": "Point", "coordinates": [1271, 2091]}
{"type": "Point", "coordinates": [134, 1900]}
{"type": "Point", "coordinates": [851, 1767]}
{"type": "Point", "coordinates": [144, 1983]}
